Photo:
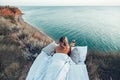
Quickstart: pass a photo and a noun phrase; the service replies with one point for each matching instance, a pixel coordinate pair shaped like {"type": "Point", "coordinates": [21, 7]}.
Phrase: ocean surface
{"type": "Point", "coordinates": [96, 27]}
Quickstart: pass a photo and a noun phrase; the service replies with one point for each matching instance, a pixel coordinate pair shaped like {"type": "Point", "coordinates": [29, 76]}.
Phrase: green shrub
{"type": "Point", "coordinates": [11, 17]}
{"type": "Point", "coordinates": [4, 30]}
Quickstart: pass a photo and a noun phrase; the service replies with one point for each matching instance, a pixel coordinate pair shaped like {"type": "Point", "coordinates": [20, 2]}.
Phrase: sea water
{"type": "Point", "coordinates": [96, 27]}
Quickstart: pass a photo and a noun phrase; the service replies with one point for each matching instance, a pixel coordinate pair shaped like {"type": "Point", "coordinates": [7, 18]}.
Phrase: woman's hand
{"type": "Point", "coordinates": [72, 43]}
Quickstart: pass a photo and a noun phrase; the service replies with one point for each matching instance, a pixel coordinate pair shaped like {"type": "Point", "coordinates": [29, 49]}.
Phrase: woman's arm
{"type": "Point", "coordinates": [71, 45]}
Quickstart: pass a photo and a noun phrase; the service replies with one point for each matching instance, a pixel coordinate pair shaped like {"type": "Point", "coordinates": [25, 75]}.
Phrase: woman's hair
{"type": "Point", "coordinates": [62, 39]}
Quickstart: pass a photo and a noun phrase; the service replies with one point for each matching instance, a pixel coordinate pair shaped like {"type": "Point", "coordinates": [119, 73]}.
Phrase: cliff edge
{"type": "Point", "coordinates": [20, 43]}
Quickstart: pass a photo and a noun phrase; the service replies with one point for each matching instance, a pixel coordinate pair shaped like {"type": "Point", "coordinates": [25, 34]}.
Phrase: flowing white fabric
{"type": "Point", "coordinates": [56, 67]}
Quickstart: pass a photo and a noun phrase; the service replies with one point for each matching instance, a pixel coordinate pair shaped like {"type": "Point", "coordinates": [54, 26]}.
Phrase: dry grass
{"type": "Point", "coordinates": [14, 64]}
{"type": "Point", "coordinates": [103, 66]}
{"type": "Point", "coordinates": [11, 60]}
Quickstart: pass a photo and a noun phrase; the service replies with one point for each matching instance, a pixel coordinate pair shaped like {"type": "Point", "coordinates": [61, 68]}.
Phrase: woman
{"type": "Point", "coordinates": [64, 47]}
{"type": "Point", "coordinates": [54, 67]}
{"type": "Point", "coordinates": [60, 62]}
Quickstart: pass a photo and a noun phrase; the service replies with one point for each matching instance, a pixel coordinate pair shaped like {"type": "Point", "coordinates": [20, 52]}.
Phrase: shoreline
{"type": "Point", "coordinates": [33, 30]}
{"type": "Point", "coordinates": [36, 28]}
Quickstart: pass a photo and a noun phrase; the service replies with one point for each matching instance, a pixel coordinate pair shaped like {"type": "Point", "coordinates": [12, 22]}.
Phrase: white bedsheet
{"type": "Point", "coordinates": [56, 67]}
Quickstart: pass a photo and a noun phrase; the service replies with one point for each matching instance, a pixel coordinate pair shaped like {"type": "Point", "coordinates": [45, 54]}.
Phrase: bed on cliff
{"type": "Point", "coordinates": [51, 66]}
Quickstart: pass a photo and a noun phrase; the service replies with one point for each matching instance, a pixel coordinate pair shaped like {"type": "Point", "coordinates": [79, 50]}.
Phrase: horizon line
{"type": "Point", "coordinates": [58, 5]}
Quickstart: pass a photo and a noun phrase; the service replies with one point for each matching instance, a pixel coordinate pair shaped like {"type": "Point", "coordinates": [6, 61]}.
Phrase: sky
{"type": "Point", "coordinates": [61, 2]}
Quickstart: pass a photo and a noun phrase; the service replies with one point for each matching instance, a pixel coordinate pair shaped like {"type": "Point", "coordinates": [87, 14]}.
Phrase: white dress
{"type": "Point", "coordinates": [56, 67]}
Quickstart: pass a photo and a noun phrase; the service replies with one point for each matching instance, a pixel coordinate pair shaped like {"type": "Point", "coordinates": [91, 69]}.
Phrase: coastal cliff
{"type": "Point", "coordinates": [20, 43]}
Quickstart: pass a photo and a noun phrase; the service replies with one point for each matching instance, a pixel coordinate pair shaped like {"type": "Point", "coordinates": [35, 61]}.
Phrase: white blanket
{"type": "Point", "coordinates": [56, 67]}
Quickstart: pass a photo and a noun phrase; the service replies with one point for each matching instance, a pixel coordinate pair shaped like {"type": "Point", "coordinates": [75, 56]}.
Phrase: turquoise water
{"type": "Point", "coordinates": [96, 27]}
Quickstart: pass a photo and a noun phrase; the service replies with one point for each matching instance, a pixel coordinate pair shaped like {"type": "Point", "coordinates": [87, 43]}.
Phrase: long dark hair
{"type": "Point", "coordinates": [62, 39]}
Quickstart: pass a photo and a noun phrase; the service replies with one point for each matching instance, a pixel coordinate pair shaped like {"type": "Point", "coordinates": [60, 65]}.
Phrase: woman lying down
{"type": "Point", "coordinates": [60, 62]}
